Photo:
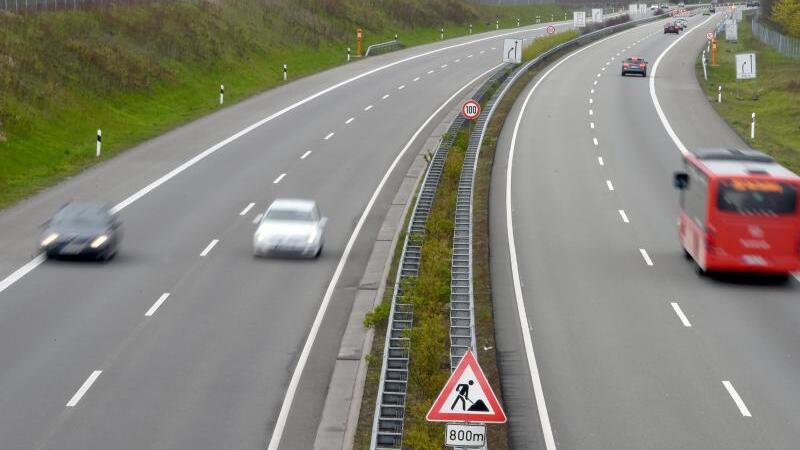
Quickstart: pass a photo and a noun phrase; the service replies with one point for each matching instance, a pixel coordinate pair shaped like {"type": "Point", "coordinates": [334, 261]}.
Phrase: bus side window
{"type": "Point", "coordinates": [696, 196]}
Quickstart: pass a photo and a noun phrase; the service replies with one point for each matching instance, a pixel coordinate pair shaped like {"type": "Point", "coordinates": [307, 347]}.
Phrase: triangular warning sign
{"type": "Point", "coordinates": [467, 396]}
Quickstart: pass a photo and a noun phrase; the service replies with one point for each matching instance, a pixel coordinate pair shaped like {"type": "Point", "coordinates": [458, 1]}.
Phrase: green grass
{"type": "Point", "coordinates": [774, 96]}
{"type": "Point", "coordinates": [539, 46]}
{"type": "Point", "coordinates": [138, 71]}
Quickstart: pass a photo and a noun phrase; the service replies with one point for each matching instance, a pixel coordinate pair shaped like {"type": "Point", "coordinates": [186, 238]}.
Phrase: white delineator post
{"type": "Point", "coordinates": [348, 54]}
{"type": "Point", "coordinates": [705, 73]}
{"type": "Point", "coordinates": [719, 94]}
{"type": "Point", "coordinates": [518, 22]}
{"type": "Point", "coordinates": [284, 72]}
{"type": "Point", "coordinates": [753, 127]}
{"type": "Point", "coordinates": [441, 34]}
{"type": "Point", "coordinates": [497, 24]}
{"type": "Point", "coordinates": [221, 94]}
{"type": "Point", "coordinates": [99, 142]}
{"type": "Point", "coordinates": [470, 28]}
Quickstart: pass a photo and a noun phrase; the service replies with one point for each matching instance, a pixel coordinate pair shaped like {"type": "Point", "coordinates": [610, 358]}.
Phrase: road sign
{"type": "Point", "coordinates": [710, 35]}
{"type": "Point", "coordinates": [745, 66]}
{"type": "Point", "coordinates": [471, 109]}
{"type": "Point", "coordinates": [597, 15]}
{"type": "Point", "coordinates": [512, 51]}
{"type": "Point", "coordinates": [579, 19]}
{"type": "Point", "coordinates": [731, 30]}
{"type": "Point", "coordinates": [551, 29]}
{"type": "Point", "coordinates": [467, 396]}
{"type": "Point", "coordinates": [465, 435]}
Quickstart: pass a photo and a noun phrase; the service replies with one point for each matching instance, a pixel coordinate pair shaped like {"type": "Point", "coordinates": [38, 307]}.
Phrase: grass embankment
{"type": "Point", "coordinates": [541, 45]}
{"type": "Point", "coordinates": [136, 71]}
{"type": "Point", "coordinates": [774, 96]}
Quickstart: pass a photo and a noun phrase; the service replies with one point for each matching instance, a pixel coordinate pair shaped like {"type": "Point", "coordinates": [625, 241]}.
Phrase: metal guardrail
{"type": "Point", "coordinates": [785, 45]}
{"type": "Point", "coordinates": [391, 45]}
{"type": "Point", "coordinates": [387, 426]}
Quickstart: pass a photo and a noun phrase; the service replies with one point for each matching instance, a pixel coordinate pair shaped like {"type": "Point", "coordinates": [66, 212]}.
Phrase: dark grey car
{"type": "Point", "coordinates": [82, 230]}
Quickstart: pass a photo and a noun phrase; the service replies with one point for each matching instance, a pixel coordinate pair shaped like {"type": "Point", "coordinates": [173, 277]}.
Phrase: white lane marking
{"type": "Point", "coordinates": [609, 185]}
{"type": "Point", "coordinates": [494, 48]}
{"type": "Point", "coordinates": [278, 180]}
{"type": "Point", "coordinates": [482, 51]}
{"type": "Point", "coordinates": [330, 135]}
{"type": "Point", "coordinates": [595, 82]}
{"type": "Point", "coordinates": [591, 100]}
{"type": "Point", "coordinates": [416, 79]}
{"type": "Point", "coordinates": [305, 155]}
{"type": "Point", "coordinates": [646, 257]}
{"type": "Point", "coordinates": [591, 112]}
{"type": "Point", "coordinates": [157, 304]}
{"type": "Point", "coordinates": [618, 53]}
{"type": "Point", "coordinates": [257, 218]}
{"type": "Point", "coordinates": [208, 248]}
{"type": "Point", "coordinates": [600, 161]}
{"type": "Point", "coordinates": [591, 91]}
{"type": "Point", "coordinates": [246, 209]}
{"type": "Point", "coordinates": [682, 148]}
{"type": "Point", "coordinates": [368, 107]}
{"type": "Point", "coordinates": [735, 396]}
{"type": "Point", "coordinates": [401, 87]}
{"type": "Point", "coordinates": [608, 62]}
{"type": "Point", "coordinates": [84, 387]}
{"type": "Point", "coordinates": [613, 58]}
{"type": "Point", "coordinates": [681, 315]}
{"type": "Point", "coordinates": [349, 121]}
{"type": "Point", "coordinates": [22, 271]}
{"type": "Point", "coordinates": [591, 125]}
{"type": "Point", "coordinates": [599, 74]}
{"type": "Point", "coordinates": [430, 72]}
{"type": "Point", "coordinates": [624, 216]}
{"type": "Point", "coordinates": [444, 66]}
{"type": "Point", "coordinates": [544, 418]}
{"type": "Point", "coordinates": [469, 56]}
{"type": "Point", "coordinates": [385, 96]}
{"type": "Point", "coordinates": [603, 69]}
{"type": "Point", "coordinates": [594, 140]}
{"type": "Point", "coordinates": [283, 414]}
{"type": "Point", "coordinates": [458, 60]}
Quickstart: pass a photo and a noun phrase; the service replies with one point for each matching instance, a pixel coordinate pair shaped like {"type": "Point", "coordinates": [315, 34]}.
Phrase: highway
{"type": "Point", "coordinates": [185, 341]}
{"type": "Point", "coordinates": [629, 348]}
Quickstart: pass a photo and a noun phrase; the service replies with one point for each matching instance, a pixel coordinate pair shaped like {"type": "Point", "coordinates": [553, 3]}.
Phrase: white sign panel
{"type": "Point", "coordinates": [579, 19]}
{"type": "Point", "coordinates": [731, 30]}
{"type": "Point", "coordinates": [745, 66]}
{"type": "Point", "coordinates": [738, 14]}
{"type": "Point", "coordinates": [461, 435]}
{"type": "Point", "coordinates": [597, 15]}
{"type": "Point", "coordinates": [633, 8]}
{"type": "Point", "coordinates": [642, 8]}
{"type": "Point", "coordinates": [512, 51]}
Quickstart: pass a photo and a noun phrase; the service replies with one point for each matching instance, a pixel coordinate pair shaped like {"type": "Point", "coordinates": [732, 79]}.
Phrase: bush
{"type": "Point", "coordinates": [786, 13]}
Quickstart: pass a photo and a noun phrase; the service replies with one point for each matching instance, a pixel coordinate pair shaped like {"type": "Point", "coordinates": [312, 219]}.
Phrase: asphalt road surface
{"type": "Point", "coordinates": [634, 349]}
{"type": "Point", "coordinates": [185, 341]}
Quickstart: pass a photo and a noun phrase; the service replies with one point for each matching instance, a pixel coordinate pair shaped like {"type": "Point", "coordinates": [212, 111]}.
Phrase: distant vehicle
{"type": "Point", "coordinates": [712, 10]}
{"type": "Point", "coordinates": [739, 212]}
{"type": "Point", "coordinates": [653, 7]}
{"type": "Point", "coordinates": [290, 227]}
{"type": "Point", "coordinates": [634, 65]}
{"type": "Point", "coordinates": [672, 27]}
{"type": "Point", "coordinates": [681, 5]}
{"type": "Point", "coordinates": [82, 230]}
{"type": "Point", "coordinates": [664, 6]}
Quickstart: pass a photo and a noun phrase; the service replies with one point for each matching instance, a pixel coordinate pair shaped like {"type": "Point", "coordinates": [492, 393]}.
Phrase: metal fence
{"type": "Point", "coordinates": [785, 45]}
{"type": "Point", "coordinates": [33, 6]}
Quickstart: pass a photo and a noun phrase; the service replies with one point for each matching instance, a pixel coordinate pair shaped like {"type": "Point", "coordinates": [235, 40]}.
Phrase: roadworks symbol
{"type": "Point", "coordinates": [467, 396]}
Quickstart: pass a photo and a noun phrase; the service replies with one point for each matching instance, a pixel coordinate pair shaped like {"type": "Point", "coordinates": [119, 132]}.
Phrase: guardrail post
{"type": "Point", "coordinates": [753, 127]}
{"type": "Point", "coordinates": [99, 143]}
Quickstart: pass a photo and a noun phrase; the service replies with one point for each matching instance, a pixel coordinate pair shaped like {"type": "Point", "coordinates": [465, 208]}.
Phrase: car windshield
{"type": "Point", "coordinates": [81, 218]}
{"type": "Point", "coordinates": [288, 214]}
{"type": "Point", "coordinates": [757, 197]}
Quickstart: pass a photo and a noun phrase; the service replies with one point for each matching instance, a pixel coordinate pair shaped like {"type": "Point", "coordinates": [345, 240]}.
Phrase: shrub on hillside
{"type": "Point", "coordinates": [787, 14]}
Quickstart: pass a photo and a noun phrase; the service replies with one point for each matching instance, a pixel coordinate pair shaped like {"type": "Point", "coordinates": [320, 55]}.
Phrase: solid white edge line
{"type": "Point", "coordinates": [209, 247]}
{"type": "Point", "coordinates": [157, 304]}
{"type": "Point", "coordinates": [646, 257]}
{"type": "Point", "coordinates": [247, 209]}
{"type": "Point", "coordinates": [305, 155]}
{"type": "Point", "coordinates": [278, 180]}
{"type": "Point", "coordinates": [22, 271]}
{"type": "Point", "coordinates": [283, 415]}
{"type": "Point", "coordinates": [736, 399]}
{"type": "Point", "coordinates": [660, 112]}
{"type": "Point", "coordinates": [544, 417]}
{"type": "Point", "coordinates": [609, 185]}
{"type": "Point", "coordinates": [624, 216]}
{"type": "Point", "coordinates": [681, 315]}
{"type": "Point", "coordinates": [84, 387]}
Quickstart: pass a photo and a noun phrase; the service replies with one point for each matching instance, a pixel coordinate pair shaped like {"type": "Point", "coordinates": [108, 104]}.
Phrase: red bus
{"type": "Point", "coordinates": [739, 212]}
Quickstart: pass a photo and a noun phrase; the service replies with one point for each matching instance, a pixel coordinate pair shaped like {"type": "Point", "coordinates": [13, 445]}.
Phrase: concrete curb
{"type": "Point", "coordinates": [337, 430]}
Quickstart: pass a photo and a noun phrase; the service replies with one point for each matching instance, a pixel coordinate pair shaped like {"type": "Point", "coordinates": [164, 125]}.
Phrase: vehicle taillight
{"type": "Point", "coordinates": [625, 65]}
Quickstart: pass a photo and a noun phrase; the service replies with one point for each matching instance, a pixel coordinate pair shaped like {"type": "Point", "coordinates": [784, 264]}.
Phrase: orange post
{"type": "Point", "coordinates": [714, 52]}
{"type": "Point", "coordinates": [359, 35]}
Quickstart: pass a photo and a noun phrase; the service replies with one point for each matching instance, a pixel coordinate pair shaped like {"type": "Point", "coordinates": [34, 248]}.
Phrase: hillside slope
{"type": "Point", "coordinates": [137, 71]}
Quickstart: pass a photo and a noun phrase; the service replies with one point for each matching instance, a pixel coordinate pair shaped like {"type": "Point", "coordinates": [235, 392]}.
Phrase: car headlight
{"type": "Point", "coordinates": [49, 239]}
{"type": "Point", "coordinates": [99, 241]}
{"type": "Point", "coordinates": [311, 237]}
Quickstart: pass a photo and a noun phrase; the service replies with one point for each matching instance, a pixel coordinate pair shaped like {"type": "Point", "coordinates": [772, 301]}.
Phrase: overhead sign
{"type": "Point", "coordinates": [512, 51]}
{"type": "Point", "coordinates": [731, 30]}
{"type": "Point", "coordinates": [465, 435]}
{"type": "Point", "coordinates": [745, 66]}
{"type": "Point", "coordinates": [471, 109]}
{"type": "Point", "coordinates": [579, 19]}
{"type": "Point", "coordinates": [467, 397]}
{"type": "Point", "coordinates": [710, 35]}
{"type": "Point", "coordinates": [597, 15]}
{"type": "Point", "coordinates": [551, 29]}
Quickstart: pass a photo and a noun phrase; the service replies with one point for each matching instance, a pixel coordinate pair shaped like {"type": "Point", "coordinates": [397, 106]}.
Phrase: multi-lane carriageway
{"type": "Point", "coordinates": [186, 341]}
{"type": "Point", "coordinates": [626, 345]}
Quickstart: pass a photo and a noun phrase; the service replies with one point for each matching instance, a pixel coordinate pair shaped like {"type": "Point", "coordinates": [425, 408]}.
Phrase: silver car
{"type": "Point", "coordinates": [290, 227]}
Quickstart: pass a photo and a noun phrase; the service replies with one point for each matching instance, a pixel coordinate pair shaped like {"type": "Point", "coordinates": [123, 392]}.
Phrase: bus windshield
{"type": "Point", "coordinates": [756, 197]}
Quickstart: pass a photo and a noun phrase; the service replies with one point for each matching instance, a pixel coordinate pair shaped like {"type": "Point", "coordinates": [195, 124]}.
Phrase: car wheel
{"type": "Point", "coordinates": [644, 74]}
{"type": "Point", "coordinates": [622, 74]}
{"type": "Point", "coordinates": [319, 252]}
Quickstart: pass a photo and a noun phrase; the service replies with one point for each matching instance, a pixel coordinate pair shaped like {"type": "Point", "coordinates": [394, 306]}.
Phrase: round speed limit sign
{"type": "Point", "coordinates": [709, 35]}
{"type": "Point", "coordinates": [551, 29]}
{"type": "Point", "coordinates": [471, 109]}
